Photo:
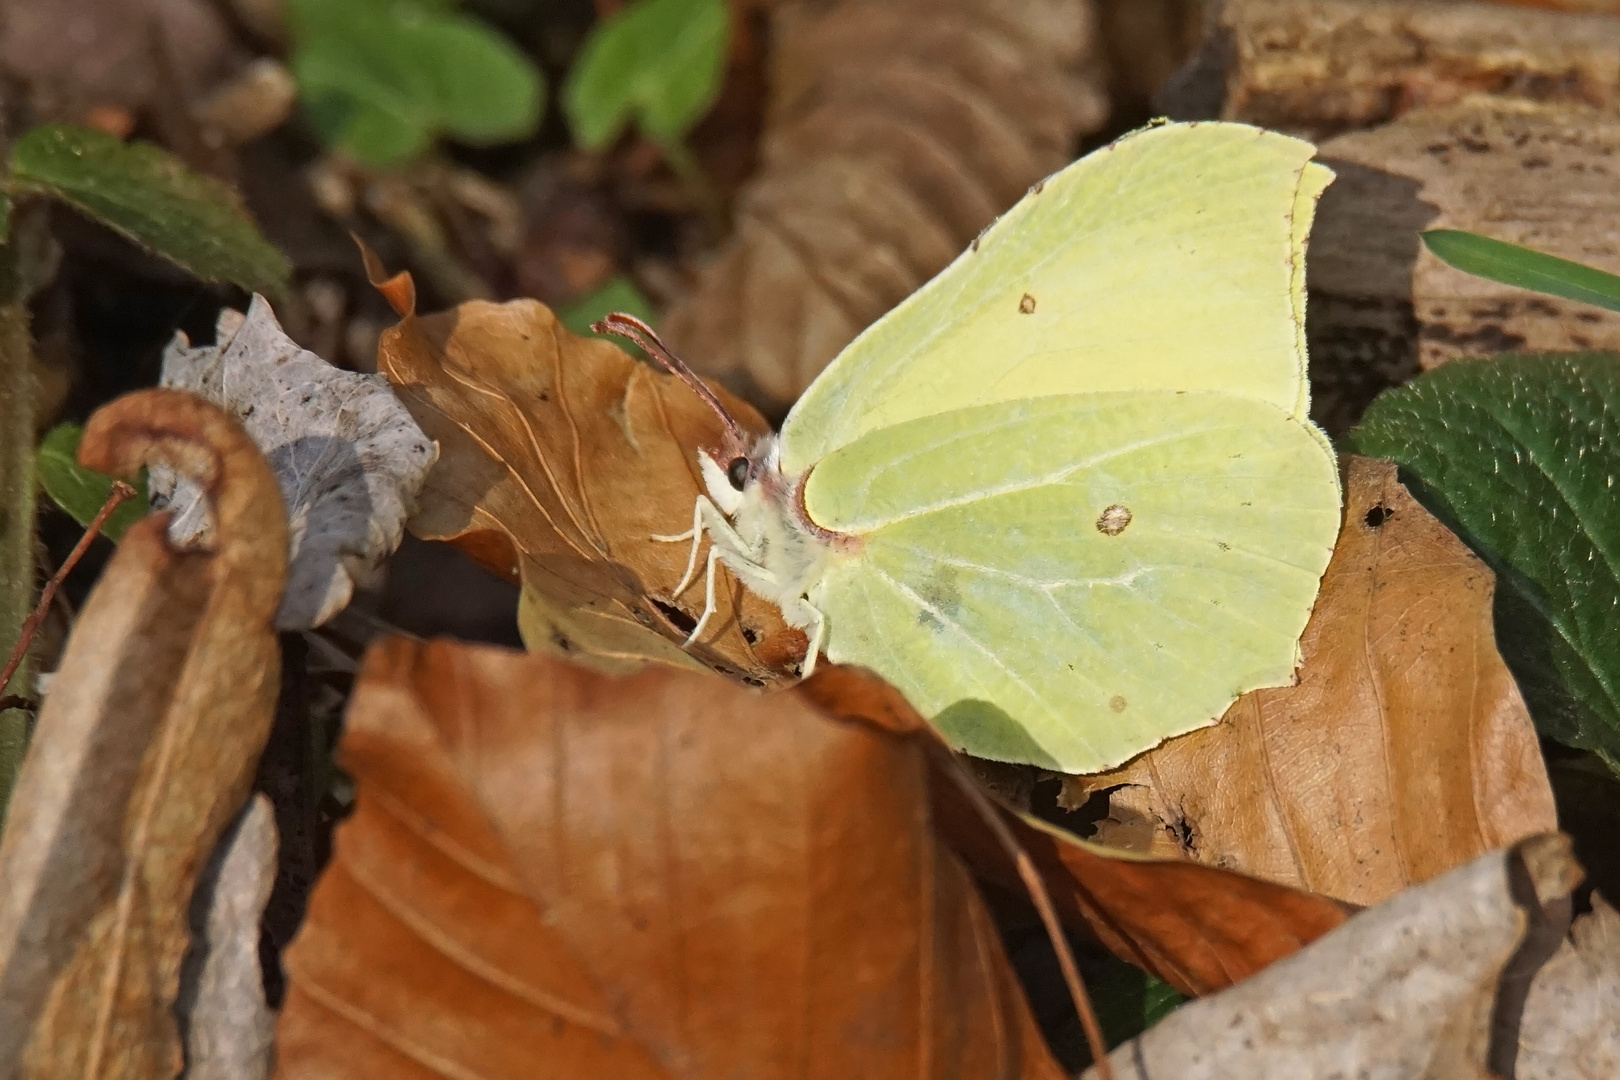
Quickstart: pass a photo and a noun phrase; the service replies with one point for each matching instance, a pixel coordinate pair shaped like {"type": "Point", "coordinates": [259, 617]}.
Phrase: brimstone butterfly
{"type": "Point", "coordinates": [1066, 496]}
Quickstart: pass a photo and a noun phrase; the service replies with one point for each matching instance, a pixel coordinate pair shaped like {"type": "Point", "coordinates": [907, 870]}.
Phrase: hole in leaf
{"type": "Point", "coordinates": [1378, 515]}
{"type": "Point", "coordinates": [678, 618]}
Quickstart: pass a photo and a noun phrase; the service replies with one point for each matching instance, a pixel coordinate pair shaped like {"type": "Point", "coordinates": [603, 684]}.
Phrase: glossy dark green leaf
{"type": "Point", "coordinates": [1521, 456]}
{"type": "Point", "coordinates": [148, 195]}
{"type": "Point", "coordinates": [81, 491]}
{"type": "Point", "coordinates": [1510, 264]}
{"type": "Point", "coordinates": [381, 79]}
{"type": "Point", "coordinates": [657, 64]}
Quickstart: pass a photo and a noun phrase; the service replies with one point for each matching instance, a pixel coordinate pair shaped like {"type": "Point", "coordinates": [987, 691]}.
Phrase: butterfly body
{"type": "Point", "coordinates": [1066, 496]}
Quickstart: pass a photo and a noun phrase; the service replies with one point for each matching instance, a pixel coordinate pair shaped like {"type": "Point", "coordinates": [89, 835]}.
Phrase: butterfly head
{"type": "Point", "coordinates": [734, 471]}
{"type": "Point", "coordinates": [742, 461]}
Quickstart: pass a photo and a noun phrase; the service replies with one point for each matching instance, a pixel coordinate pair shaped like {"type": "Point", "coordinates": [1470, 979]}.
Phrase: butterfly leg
{"type": "Point", "coordinates": [694, 534]}
{"type": "Point", "coordinates": [708, 596]}
{"type": "Point", "coordinates": [805, 615]}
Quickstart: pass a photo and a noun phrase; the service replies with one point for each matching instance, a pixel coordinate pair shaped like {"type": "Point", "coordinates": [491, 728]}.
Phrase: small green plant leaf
{"type": "Point", "coordinates": [81, 491]}
{"type": "Point", "coordinates": [381, 79]}
{"type": "Point", "coordinates": [1510, 264]}
{"type": "Point", "coordinates": [618, 293]}
{"type": "Point", "coordinates": [195, 222]}
{"type": "Point", "coordinates": [1521, 456]}
{"type": "Point", "coordinates": [658, 64]}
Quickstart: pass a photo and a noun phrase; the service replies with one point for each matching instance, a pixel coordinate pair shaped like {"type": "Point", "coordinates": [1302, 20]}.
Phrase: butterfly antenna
{"type": "Point", "coordinates": [632, 328]}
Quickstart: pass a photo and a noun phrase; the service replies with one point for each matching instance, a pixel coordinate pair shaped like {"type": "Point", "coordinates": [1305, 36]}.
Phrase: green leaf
{"type": "Point", "coordinates": [618, 293]}
{"type": "Point", "coordinates": [1521, 456]}
{"type": "Point", "coordinates": [657, 63]}
{"type": "Point", "coordinates": [1510, 264]}
{"type": "Point", "coordinates": [81, 491]}
{"type": "Point", "coordinates": [382, 78]}
{"type": "Point", "coordinates": [193, 221]}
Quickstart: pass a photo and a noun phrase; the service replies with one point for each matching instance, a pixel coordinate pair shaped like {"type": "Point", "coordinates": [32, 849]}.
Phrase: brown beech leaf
{"type": "Point", "coordinates": [144, 753]}
{"type": "Point", "coordinates": [551, 872]}
{"type": "Point", "coordinates": [897, 130]}
{"type": "Point", "coordinates": [672, 875]}
{"type": "Point", "coordinates": [1197, 927]}
{"type": "Point", "coordinates": [1404, 750]}
{"type": "Point", "coordinates": [560, 458]}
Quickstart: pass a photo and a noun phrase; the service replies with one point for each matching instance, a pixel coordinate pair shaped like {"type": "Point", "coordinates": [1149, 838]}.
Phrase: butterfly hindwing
{"type": "Point", "coordinates": [1068, 580]}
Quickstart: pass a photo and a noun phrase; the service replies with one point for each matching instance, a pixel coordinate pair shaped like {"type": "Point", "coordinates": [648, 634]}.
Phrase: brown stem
{"type": "Point", "coordinates": [25, 638]}
{"type": "Point", "coordinates": [1043, 904]}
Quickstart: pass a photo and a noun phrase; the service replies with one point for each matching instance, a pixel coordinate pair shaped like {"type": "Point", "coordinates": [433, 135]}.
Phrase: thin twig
{"type": "Point", "coordinates": [1043, 904]}
{"type": "Point", "coordinates": [115, 498]}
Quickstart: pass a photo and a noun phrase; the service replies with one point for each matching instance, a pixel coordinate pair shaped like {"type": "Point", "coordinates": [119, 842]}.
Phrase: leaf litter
{"type": "Point", "coordinates": [143, 755]}
{"type": "Point", "coordinates": [1403, 751]}
{"type": "Point", "coordinates": [347, 455]}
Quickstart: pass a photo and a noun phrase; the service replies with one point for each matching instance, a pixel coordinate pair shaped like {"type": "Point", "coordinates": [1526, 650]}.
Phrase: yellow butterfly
{"type": "Point", "coordinates": [1067, 496]}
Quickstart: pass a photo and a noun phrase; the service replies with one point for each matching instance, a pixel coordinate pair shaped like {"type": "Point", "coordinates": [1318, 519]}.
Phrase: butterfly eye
{"type": "Point", "coordinates": [737, 472]}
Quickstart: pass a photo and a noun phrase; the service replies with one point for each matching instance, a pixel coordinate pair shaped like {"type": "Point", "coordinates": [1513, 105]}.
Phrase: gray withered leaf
{"type": "Point", "coordinates": [348, 456]}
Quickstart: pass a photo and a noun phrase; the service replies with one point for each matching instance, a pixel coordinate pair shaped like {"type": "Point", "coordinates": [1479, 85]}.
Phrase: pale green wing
{"type": "Point", "coordinates": [1171, 259]}
{"type": "Point", "coordinates": [1069, 580]}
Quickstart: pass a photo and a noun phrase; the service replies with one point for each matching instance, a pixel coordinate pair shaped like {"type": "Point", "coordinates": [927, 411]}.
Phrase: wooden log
{"type": "Point", "coordinates": [1498, 120]}
{"type": "Point", "coordinates": [1320, 67]}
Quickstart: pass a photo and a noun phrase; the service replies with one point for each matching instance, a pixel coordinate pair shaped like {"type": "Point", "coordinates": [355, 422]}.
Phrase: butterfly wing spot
{"type": "Point", "coordinates": [941, 593]}
{"type": "Point", "coordinates": [1027, 305]}
{"type": "Point", "coordinates": [1113, 520]}
{"type": "Point", "coordinates": [1117, 703]}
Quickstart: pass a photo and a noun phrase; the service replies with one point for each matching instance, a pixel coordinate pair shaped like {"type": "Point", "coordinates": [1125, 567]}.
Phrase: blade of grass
{"type": "Point", "coordinates": [16, 519]}
{"type": "Point", "coordinates": [1510, 264]}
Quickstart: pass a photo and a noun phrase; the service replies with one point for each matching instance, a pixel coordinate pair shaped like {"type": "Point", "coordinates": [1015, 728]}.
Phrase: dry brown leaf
{"type": "Point", "coordinates": [1404, 750]}
{"type": "Point", "coordinates": [143, 755]}
{"type": "Point", "coordinates": [896, 131]}
{"type": "Point", "coordinates": [1415, 988]}
{"type": "Point", "coordinates": [1198, 928]}
{"type": "Point", "coordinates": [560, 459]}
{"type": "Point", "coordinates": [552, 872]}
{"type": "Point", "coordinates": [673, 875]}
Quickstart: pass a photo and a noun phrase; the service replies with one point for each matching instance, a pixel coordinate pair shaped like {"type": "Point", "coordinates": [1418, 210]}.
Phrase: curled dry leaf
{"type": "Point", "coordinates": [553, 872]}
{"type": "Point", "coordinates": [1196, 927]}
{"type": "Point", "coordinates": [674, 875]}
{"type": "Point", "coordinates": [896, 132]}
{"type": "Point", "coordinates": [229, 1031]}
{"type": "Point", "coordinates": [346, 453]}
{"type": "Point", "coordinates": [1403, 751]}
{"type": "Point", "coordinates": [561, 458]}
{"type": "Point", "coordinates": [144, 754]}
{"type": "Point", "coordinates": [1414, 988]}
